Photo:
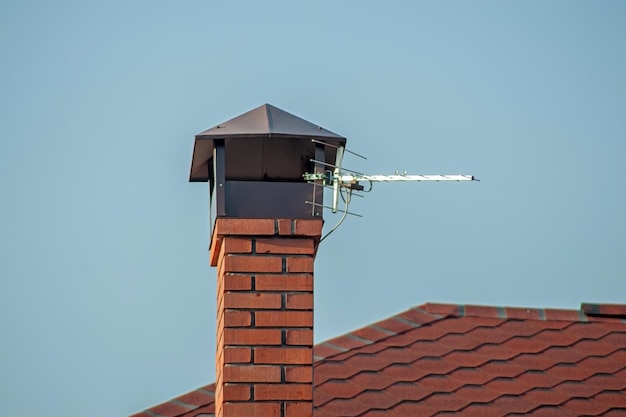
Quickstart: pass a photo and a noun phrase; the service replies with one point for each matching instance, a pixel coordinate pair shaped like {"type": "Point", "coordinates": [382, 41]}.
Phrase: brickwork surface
{"type": "Point", "coordinates": [265, 316]}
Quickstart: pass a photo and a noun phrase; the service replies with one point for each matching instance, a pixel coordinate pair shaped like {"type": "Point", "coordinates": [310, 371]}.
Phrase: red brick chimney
{"type": "Point", "coordinates": [264, 316]}
{"type": "Point", "coordinates": [266, 225]}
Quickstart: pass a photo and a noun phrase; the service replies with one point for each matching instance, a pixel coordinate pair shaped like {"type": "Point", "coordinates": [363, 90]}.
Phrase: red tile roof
{"type": "Point", "coordinates": [444, 360]}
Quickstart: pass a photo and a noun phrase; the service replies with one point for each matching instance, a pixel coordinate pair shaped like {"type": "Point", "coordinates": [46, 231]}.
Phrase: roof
{"type": "Point", "coordinates": [444, 360]}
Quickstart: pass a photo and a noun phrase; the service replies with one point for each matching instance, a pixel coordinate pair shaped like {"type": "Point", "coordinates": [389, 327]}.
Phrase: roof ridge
{"type": "Point", "coordinates": [523, 313]}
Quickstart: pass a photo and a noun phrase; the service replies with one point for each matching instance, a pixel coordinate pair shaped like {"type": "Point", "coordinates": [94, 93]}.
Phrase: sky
{"type": "Point", "coordinates": [107, 299]}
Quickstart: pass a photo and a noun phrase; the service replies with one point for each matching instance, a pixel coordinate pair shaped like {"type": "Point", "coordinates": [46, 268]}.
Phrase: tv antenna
{"type": "Point", "coordinates": [344, 184]}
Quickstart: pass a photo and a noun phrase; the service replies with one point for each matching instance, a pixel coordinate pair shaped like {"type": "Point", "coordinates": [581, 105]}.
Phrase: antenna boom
{"type": "Point", "coordinates": [349, 178]}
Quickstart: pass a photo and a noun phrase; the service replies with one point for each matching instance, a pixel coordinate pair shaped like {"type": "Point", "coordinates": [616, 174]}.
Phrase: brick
{"type": "Point", "coordinates": [276, 355]}
{"type": "Point", "coordinates": [251, 373]}
{"type": "Point", "coordinates": [252, 409]}
{"type": "Point", "coordinates": [236, 282]}
{"type": "Point", "coordinates": [252, 300]}
{"type": "Point", "coordinates": [299, 409]}
{"type": "Point", "coordinates": [284, 282]}
{"type": "Point", "coordinates": [284, 227]}
{"type": "Point", "coordinates": [283, 392]}
{"type": "Point", "coordinates": [302, 337]}
{"type": "Point", "coordinates": [252, 337]}
{"type": "Point", "coordinates": [236, 392]}
{"type": "Point", "coordinates": [303, 264]}
{"type": "Point", "coordinates": [283, 319]}
{"type": "Point", "coordinates": [239, 227]}
{"type": "Point", "coordinates": [236, 245]}
{"type": "Point", "coordinates": [299, 301]}
{"type": "Point", "coordinates": [237, 354]}
{"type": "Point", "coordinates": [299, 374]}
{"type": "Point", "coordinates": [285, 246]}
{"type": "Point", "coordinates": [308, 227]}
{"type": "Point", "coordinates": [237, 318]}
{"type": "Point", "coordinates": [248, 263]}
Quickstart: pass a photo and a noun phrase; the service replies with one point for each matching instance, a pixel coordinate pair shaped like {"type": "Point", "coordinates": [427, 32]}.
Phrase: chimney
{"type": "Point", "coordinates": [266, 224]}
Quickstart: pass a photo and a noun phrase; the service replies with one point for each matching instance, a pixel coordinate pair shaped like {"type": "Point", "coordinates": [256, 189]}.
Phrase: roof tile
{"type": "Point", "coordinates": [198, 397]}
{"type": "Point", "coordinates": [585, 406]}
{"type": "Point", "coordinates": [471, 375]}
{"type": "Point", "coordinates": [466, 358]}
{"type": "Point", "coordinates": [369, 361]}
{"type": "Point", "coordinates": [546, 396]}
{"type": "Point", "coordinates": [551, 411]}
{"type": "Point", "coordinates": [615, 381]}
{"type": "Point", "coordinates": [571, 372]}
{"type": "Point", "coordinates": [434, 365]}
{"type": "Point", "coordinates": [502, 368]}
{"type": "Point", "coordinates": [326, 350]}
{"type": "Point", "coordinates": [614, 399]}
{"type": "Point", "coordinates": [577, 389]}
{"type": "Point", "coordinates": [615, 412]}
{"type": "Point", "coordinates": [404, 372]}
{"type": "Point", "coordinates": [345, 407]}
{"type": "Point", "coordinates": [496, 351]}
{"type": "Point", "coordinates": [514, 403]}
{"type": "Point", "coordinates": [333, 370]}
{"type": "Point", "coordinates": [378, 399]}
{"type": "Point", "coordinates": [560, 354]}
{"type": "Point", "coordinates": [170, 409]}
{"type": "Point", "coordinates": [440, 383]}
{"type": "Point", "coordinates": [408, 390]}
{"type": "Point", "coordinates": [615, 338]}
{"type": "Point", "coordinates": [414, 408]}
{"type": "Point", "coordinates": [371, 333]}
{"type": "Point", "coordinates": [396, 324]}
{"type": "Point", "coordinates": [539, 379]}
{"type": "Point", "coordinates": [477, 393]}
{"type": "Point", "coordinates": [444, 401]}
{"type": "Point", "coordinates": [419, 316]}
{"type": "Point", "coordinates": [460, 341]}
{"type": "Point", "coordinates": [480, 410]}
{"type": "Point", "coordinates": [340, 388]}
{"type": "Point", "coordinates": [373, 380]}
{"type": "Point", "coordinates": [557, 337]}
{"type": "Point", "coordinates": [504, 385]}
{"type": "Point", "coordinates": [589, 330]}
{"type": "Point", "coordinates": [598, 364]}
{"type": "Point", "coordinates": [534, 362]}
{"type": "Point", "coordinates": [490, 334]}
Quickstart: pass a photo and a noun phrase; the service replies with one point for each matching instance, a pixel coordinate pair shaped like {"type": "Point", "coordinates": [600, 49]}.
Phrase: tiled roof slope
{"type": "Point", "coordinates": [444, 360]}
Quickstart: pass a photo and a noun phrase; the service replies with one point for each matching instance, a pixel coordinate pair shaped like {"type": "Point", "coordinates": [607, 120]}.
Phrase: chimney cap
{"type": "Point", "coordinates": [263, 122]}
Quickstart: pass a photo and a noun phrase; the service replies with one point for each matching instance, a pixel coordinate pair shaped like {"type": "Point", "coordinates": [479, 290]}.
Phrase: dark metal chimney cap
{"type": "Point", "coordinates": [263, 122]}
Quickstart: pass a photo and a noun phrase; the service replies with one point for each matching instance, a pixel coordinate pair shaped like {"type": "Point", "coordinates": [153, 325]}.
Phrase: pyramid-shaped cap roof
{"type": "Point", "coordinates": [267, 120]}
{"type": "Point", "coordinates": [264, 122]}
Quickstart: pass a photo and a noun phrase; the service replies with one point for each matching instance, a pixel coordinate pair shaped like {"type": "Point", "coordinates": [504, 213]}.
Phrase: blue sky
{"type": "Point", "coordinates": [106, 297]}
